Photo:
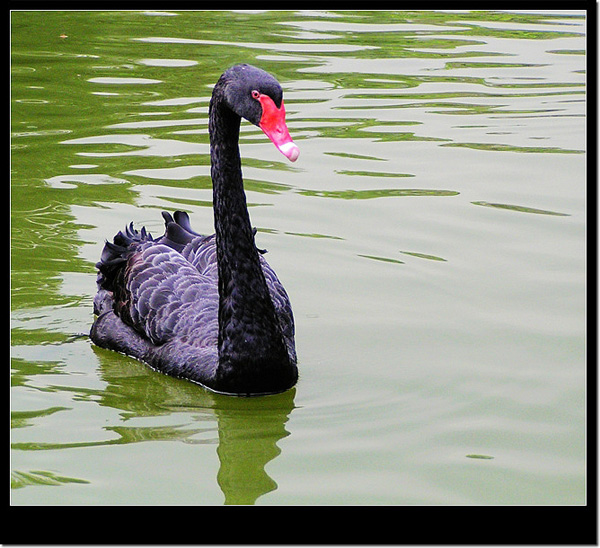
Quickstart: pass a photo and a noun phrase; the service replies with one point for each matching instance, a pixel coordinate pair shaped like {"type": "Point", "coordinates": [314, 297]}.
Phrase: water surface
{"type": "Point", "coordinates": [431, 237]}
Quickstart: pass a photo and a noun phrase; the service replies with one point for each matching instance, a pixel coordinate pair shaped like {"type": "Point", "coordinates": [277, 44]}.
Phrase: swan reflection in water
{"type": "Point", "coordinates": [248, 428]}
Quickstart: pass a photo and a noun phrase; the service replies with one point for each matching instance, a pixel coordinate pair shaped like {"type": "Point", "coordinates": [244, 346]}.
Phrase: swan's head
{"type": "Point", "coordinates": [256, 96]}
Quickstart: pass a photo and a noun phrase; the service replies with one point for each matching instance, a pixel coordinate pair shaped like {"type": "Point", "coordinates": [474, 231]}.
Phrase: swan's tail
{"type": "Point", "coordinates": [115, 254]}
{"type": "Point", "coordinates": [111, 267]}
{"type": "Point", "coordinates": [112, 263]}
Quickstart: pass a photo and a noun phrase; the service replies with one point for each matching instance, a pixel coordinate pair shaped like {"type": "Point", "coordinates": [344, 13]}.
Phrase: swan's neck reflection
{"type": "Point", "coordinates": [249, 430]}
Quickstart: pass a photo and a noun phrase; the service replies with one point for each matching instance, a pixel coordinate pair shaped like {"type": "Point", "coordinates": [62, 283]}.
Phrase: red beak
{"type": "Point", "coordinates": [273, 124]}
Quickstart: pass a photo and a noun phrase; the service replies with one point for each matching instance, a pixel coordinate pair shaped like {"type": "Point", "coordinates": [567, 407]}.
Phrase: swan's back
{"type": "Point", "coordinates": [158, 300]}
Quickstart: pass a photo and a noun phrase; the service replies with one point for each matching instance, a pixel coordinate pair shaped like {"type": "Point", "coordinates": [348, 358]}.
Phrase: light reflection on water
{"type": "Point", "coordinates": [431, 237]}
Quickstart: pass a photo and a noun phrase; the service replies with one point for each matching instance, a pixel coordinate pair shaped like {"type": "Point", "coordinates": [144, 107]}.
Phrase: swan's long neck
{"type": "Point", "coordinates": [249, 332]}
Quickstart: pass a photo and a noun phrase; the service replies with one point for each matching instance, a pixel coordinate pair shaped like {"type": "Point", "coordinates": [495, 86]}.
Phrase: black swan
{"type": "Point", "coordinates": [206, 308]}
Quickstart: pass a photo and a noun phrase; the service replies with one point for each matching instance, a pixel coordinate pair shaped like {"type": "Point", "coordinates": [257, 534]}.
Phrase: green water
{"type": "Point", "coordinates": [431, 237]}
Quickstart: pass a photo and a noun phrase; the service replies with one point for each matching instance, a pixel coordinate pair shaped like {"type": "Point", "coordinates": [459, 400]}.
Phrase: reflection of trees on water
{"type": "Point", "coordinates": [245, 430]}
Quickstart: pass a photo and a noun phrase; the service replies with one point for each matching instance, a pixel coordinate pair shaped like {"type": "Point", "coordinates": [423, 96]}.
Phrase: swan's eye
{"type": "Point", "coordinates": [255, 94]}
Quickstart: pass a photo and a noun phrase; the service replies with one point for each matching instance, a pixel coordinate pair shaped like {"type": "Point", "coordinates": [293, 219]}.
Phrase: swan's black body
{"type": "Point", "coordinates": [205, 308]}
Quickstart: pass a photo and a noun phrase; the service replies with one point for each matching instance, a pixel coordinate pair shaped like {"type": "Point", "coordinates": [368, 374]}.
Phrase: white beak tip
{"type": "Point", "coordinates": [290, 151]}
